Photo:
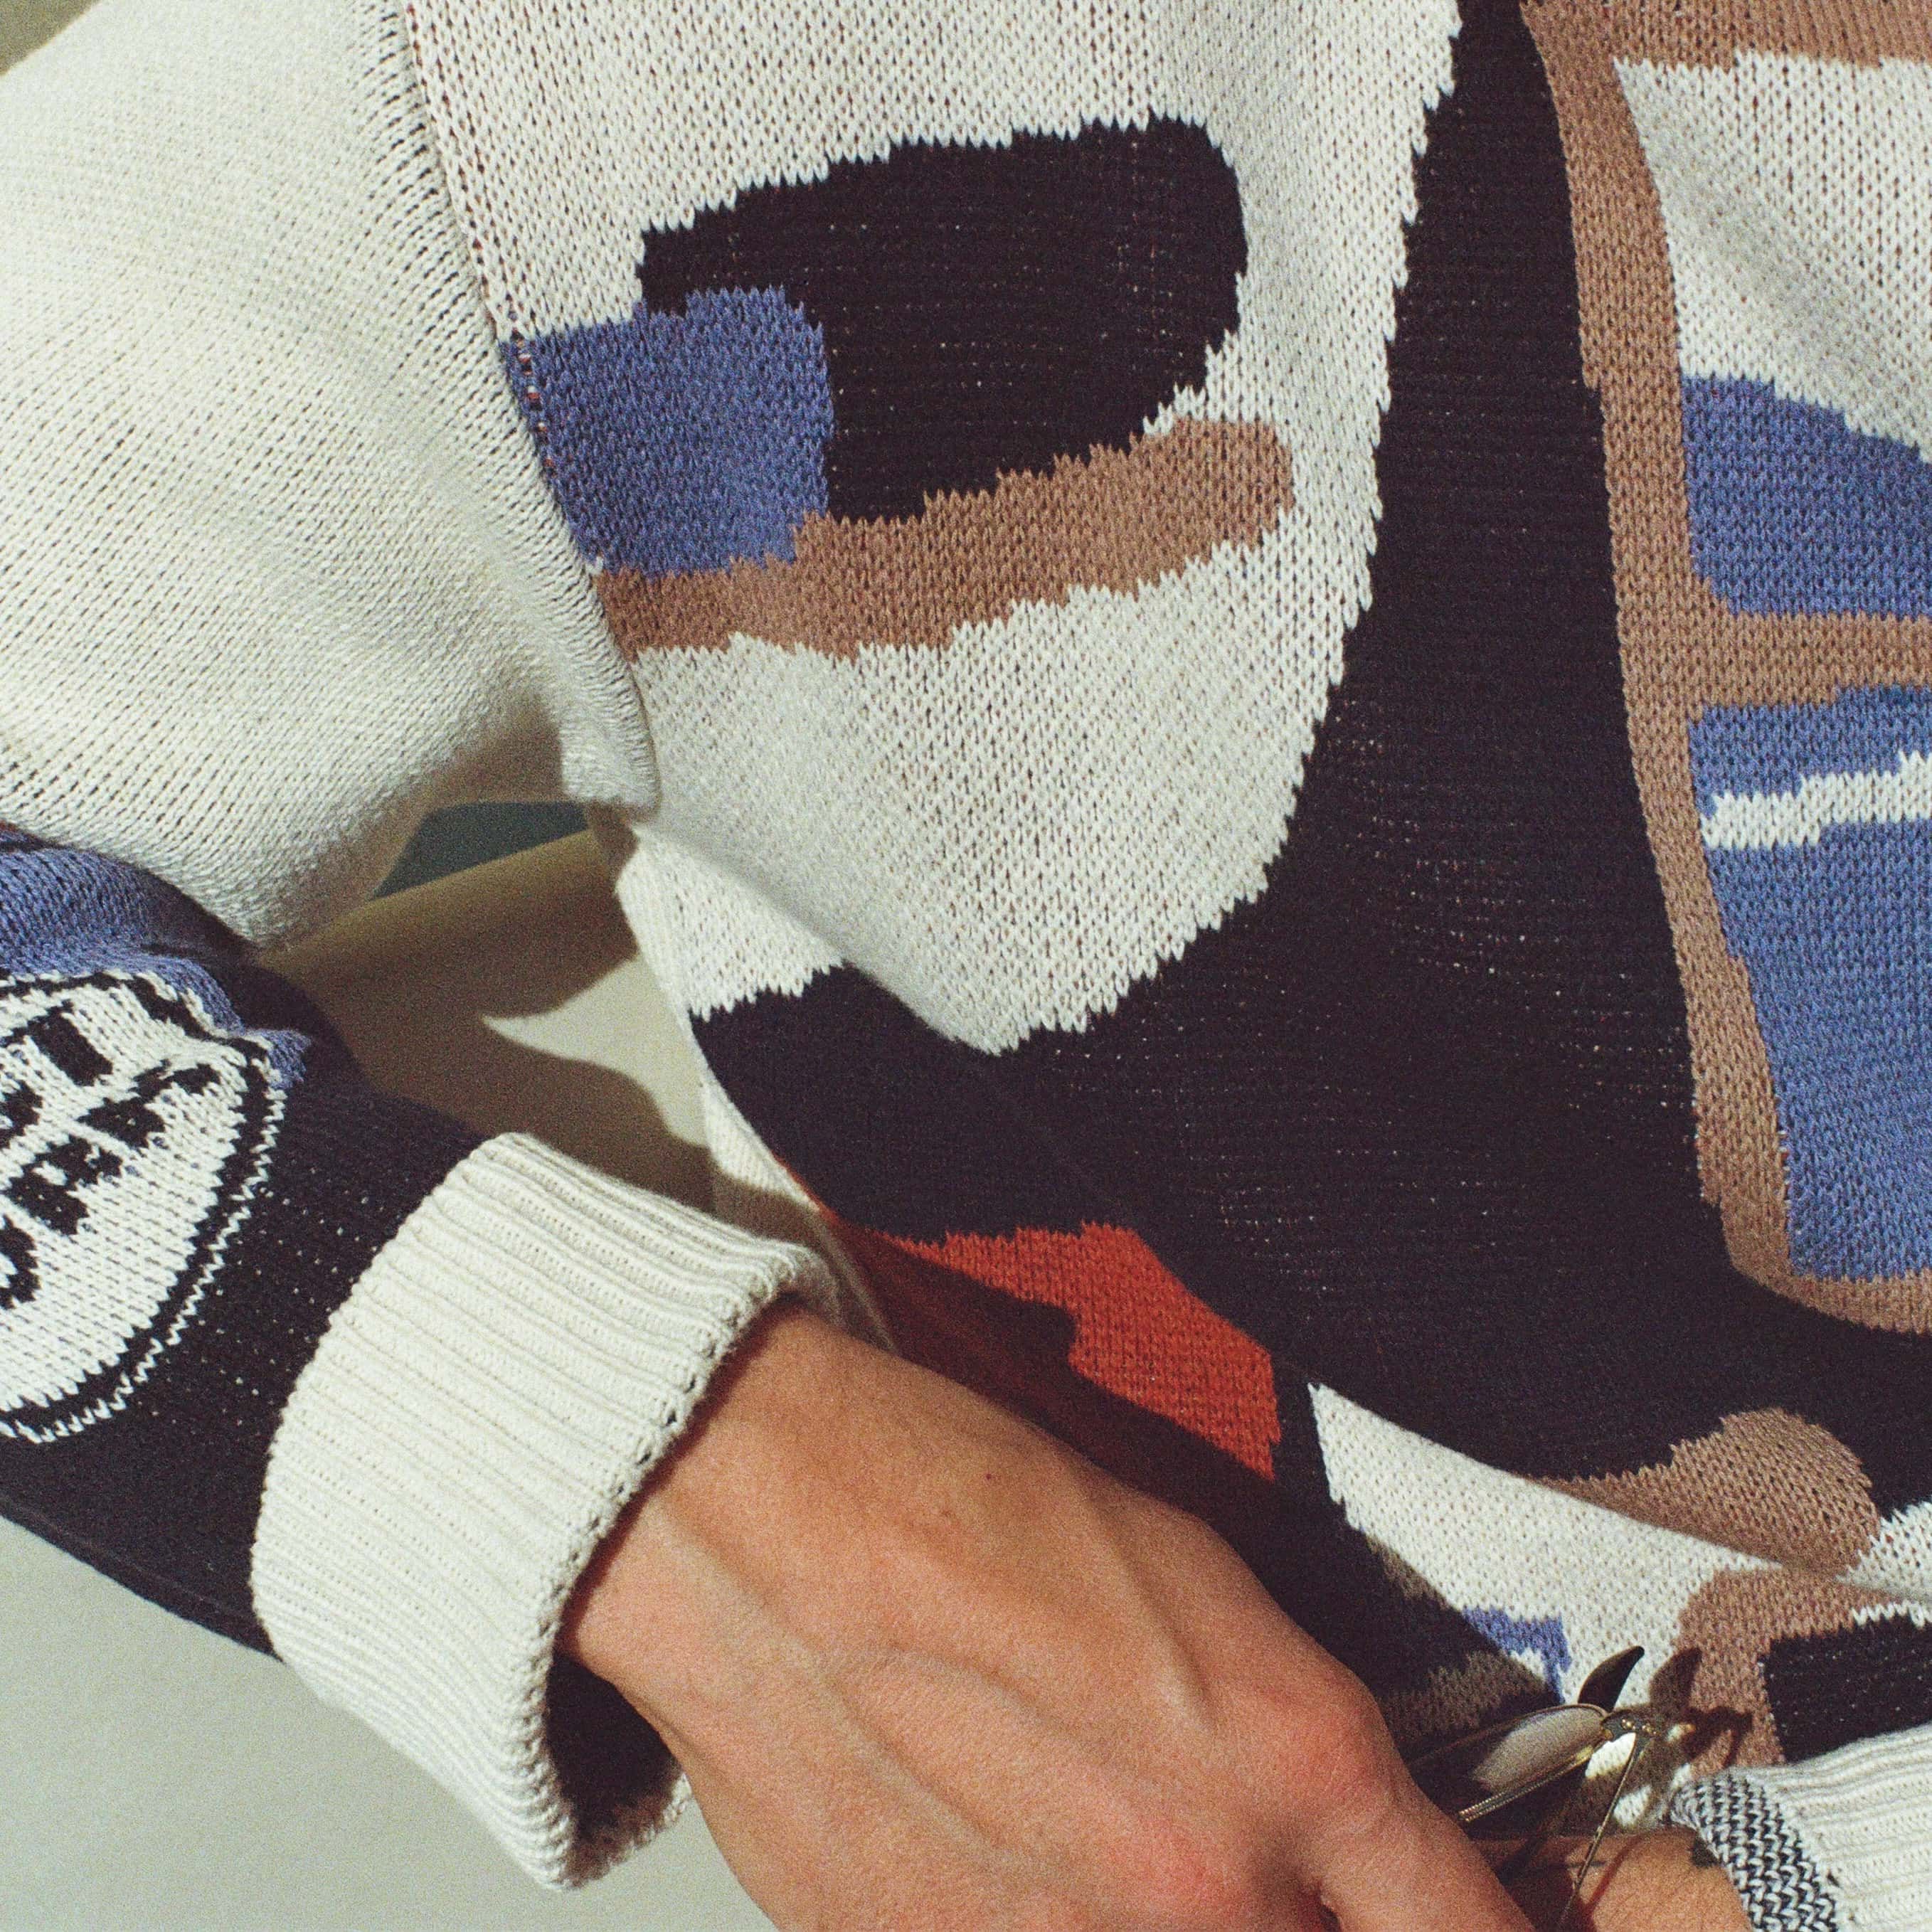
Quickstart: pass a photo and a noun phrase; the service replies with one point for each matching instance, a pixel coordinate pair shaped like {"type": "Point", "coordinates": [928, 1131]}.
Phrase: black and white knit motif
{"type": "Point", "coordinates": [192, 1178]}
{"type": "Point", "coordinates": [1783, 1887]}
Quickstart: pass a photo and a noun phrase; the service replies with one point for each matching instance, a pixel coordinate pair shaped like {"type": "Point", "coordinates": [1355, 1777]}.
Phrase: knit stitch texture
{"type": "Point", "coordinates": [1260, 674]}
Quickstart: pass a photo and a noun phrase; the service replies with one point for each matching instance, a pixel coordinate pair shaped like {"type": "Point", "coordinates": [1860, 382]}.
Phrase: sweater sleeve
{"type": "Point", "coordinates": [1841, 1843]}
{"type": "Point", "coordinates": [278, 573]}
{"type": "Point", "coordinates": [319, 1368]}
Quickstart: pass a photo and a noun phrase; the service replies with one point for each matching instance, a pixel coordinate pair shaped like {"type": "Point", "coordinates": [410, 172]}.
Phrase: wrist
{"type": "Point", "coordinates": [1654, 1881]}
{"type": "Point", "coordinates": [630, 1589]}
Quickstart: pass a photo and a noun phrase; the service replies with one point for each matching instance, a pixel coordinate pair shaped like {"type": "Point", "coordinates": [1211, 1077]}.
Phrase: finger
{"type": "Point", "coordinates": [1416, 1872]}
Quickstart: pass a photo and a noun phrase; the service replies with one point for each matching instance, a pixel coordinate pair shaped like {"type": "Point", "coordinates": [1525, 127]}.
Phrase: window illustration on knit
{"type": "Point", "coordinates": [1803, 347]}
{"type": "Point", "coordinates": [1754, 224]}
{"type": "Point", "coordinates": [1817, 829]}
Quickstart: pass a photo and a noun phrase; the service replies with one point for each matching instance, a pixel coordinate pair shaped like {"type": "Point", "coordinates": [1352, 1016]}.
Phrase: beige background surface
{"type": "Point", "coordinates": [25, 24]}
{"type": "Point", "coordinates": [155, 1776]}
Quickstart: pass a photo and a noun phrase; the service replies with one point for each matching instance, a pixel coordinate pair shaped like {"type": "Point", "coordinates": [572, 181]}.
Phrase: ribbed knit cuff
{"type": "Point", "coordinates": [1838, 1843]}
{"type": "Point", "coordinates": [477, 1414]}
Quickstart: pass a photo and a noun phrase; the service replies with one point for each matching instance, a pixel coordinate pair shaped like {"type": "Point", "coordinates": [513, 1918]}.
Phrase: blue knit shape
{"type": "Point", "coordinates": [65, 910]}
{"type": "Point", "coordinates": [684, 442]}
{"type": "Point", "coordinates": [1791, 510]}
{"type": "Point", "coordinates": [1543, 1638]}
{"type": "Point", "coordinates": [1837, 937]}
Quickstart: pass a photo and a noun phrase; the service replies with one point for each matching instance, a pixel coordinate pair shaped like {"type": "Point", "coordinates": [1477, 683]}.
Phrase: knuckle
{"type": "Point", "coordinates": [1363, 1793]}
{"type": "Point", "coordinates": [1368, 1781]}
{"type": "Point", "coordinates": [1185, 1879]}
{"type": "Point", "coordinates": [1338, 1759]}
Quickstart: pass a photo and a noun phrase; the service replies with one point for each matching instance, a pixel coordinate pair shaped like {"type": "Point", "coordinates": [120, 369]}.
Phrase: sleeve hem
{"type": "Point", "coordinates": [1838, 1843]}
{"type": "Point", "coordinates": [1781, 1885]}
{"type": "Point", "coordinates": [478, 1413]}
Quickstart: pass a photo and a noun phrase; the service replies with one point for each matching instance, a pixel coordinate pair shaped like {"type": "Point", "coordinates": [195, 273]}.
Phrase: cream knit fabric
{"type": "Point", "coordinates": [1259, 674]}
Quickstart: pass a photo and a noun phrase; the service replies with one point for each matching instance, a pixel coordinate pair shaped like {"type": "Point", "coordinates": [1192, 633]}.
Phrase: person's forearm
{"type": "Point", "coordinates": [926, 1667]}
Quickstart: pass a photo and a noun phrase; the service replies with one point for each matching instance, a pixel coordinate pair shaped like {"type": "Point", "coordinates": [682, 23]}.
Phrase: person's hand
{"type": "Point", "coordinates": [1641, 1881]}
{"type": "Point", "coordinates": [928, 1669]}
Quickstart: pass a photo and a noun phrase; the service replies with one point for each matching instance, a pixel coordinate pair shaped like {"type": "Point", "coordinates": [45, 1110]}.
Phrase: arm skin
{"type": "Point", "coordinates": [1664, 1881]}
{"type": "Point", "coordinates": [928, 1669]}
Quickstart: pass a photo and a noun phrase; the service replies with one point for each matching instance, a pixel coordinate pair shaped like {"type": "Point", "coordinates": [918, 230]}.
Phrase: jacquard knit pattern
{"type": "Point", "coordinates": [185, 1151]}
{"type": "Point", "coordinates": [1775, 1876]}
{"type": "Point", "coordinates": [1288, 658]}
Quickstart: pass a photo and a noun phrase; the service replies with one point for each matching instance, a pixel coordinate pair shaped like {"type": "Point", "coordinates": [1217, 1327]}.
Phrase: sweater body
{"type": "Point", "coordinates": [1261, 674]}
{"type": "Point", "coordinates": [1174, 781]}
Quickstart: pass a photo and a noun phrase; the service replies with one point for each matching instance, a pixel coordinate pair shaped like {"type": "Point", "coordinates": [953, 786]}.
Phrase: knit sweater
{"type": "Point", "coordinates": [1262, 671]}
